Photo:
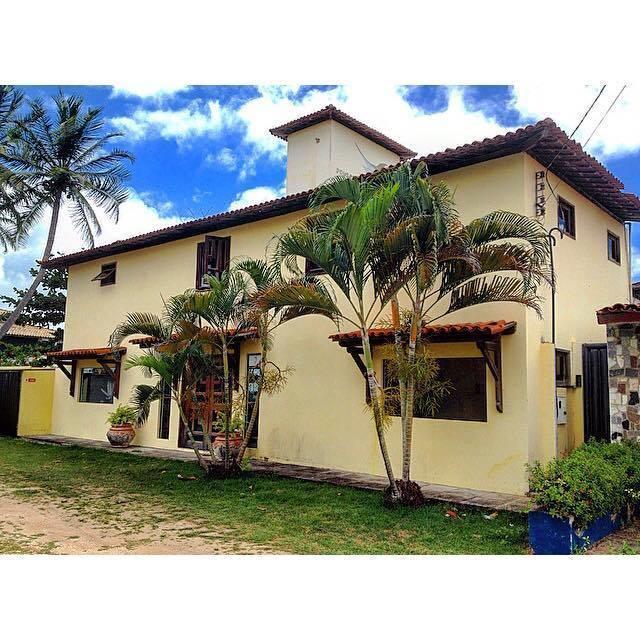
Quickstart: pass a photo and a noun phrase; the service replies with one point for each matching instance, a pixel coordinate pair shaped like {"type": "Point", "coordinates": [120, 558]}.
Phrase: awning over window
{"type": "Point", "coordinates": [486, 335]}
{"type": "Point", "coordinates": [79, 354]}
{"type": "Point", "coordinates": [109, 359]}
{"type": "Point", "coordinates": [246, 334]}
{"type": "Point", "coordinates": [461, 332]}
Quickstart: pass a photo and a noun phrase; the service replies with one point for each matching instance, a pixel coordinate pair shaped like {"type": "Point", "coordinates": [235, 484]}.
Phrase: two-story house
{"type": "Point", "coordinates": [525, 388]}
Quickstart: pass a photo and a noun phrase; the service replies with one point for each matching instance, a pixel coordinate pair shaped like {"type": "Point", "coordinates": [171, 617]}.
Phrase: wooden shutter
{"type": "Point", "coordinates": [212, 258]}
{"type": "Point", "coordinates": [201, 264]}
{"type": "Point", "coordinates": [219, 254]}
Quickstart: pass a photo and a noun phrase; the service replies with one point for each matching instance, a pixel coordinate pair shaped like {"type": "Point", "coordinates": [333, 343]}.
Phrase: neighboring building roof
{"type": "Point", "coordinates": [27, 330]}
{"type": "Point", "coordinates": [333, 113]}
{"type": "Point", "coordinates": [621, 312]}
{"type": "Point", "coordinates": [460, 332]}
{"type": "Point", "coordinates": [544, 141]}
{"type": "Point", "coordinates": [75, 354]}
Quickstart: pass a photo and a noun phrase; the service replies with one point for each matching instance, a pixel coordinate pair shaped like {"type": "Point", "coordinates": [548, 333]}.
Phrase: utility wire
{"type": "Point", "coordinates": [606, 113]}
{"type": "Point", "coordinates": [546, 171]}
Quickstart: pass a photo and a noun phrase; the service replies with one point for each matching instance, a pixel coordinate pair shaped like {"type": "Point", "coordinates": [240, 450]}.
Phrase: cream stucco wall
{"type": "Point", "coordinates": [322, 151]}
{"type": "Point", "coordinates": [586, 280]}
{"type": "Point", "coordinates": [320, 418]}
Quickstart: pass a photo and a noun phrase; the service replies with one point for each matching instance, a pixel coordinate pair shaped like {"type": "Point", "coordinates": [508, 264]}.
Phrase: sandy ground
{"type": "Point", "coordinates": [38, 526]}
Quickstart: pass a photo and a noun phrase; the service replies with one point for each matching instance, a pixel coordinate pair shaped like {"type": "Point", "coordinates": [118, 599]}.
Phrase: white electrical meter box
{"type": "Point", "coordinates": [561, 409]}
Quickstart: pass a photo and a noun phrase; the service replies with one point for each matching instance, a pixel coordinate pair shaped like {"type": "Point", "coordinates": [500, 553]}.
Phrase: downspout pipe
{"type": "Point", "coordinates": [552, 244]}
{"type": "Point", "coordinates": [628, 239]}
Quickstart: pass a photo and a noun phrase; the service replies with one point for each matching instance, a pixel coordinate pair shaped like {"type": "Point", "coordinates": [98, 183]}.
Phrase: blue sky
{"type": "Point", "coordinates": [202, 150]}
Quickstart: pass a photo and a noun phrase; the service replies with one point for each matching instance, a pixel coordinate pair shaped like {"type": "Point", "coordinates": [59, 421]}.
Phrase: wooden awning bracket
{"type": "Point", "coordinates": [356, 353]}
{"type": "Point", "coordinates": [62, 365]}
{"type": "Point", "coordinates": [492, 354]}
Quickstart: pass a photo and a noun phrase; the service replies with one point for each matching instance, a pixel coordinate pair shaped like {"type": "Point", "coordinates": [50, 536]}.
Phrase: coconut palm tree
{"type": "Point", "coordinates": [10, 102]}
{"type": "Point", "coordinates": [341, 243]}
{"type": "Point", "coordinates": [61, 161]}
{"type": "Point", "coordinates": [444, 264]}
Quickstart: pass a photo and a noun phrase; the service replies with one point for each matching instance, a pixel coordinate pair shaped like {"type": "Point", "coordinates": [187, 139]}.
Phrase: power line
{"type": "Point", "coordinates": [546, 171]}
{"type": "Point", "coordinates": [606, 113]}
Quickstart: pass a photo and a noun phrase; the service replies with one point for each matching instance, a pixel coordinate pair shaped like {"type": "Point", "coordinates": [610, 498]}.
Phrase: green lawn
{"type": "Point", "coordinates": [291, 516]}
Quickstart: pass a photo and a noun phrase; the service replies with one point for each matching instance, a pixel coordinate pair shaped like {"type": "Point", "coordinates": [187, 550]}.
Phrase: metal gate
{"type": "Point", "coordinates": [596, 391]}
{"type": "Point", "coordinates": [9, 402]}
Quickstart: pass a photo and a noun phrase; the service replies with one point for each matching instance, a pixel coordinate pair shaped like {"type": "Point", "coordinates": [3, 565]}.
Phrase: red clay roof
{"type": "Point", "coordinates": [75, 354]}
{"type": "Point", "coordinates": [148, 341]}
{"type": "Point", "coordinates": [621, 312]}
{"type": "Point", "coordinates": [333, 113]}
{"type": "Point", "coordinates": [464, 331]}
{"type": "Point", "coordinates": [542, 141]}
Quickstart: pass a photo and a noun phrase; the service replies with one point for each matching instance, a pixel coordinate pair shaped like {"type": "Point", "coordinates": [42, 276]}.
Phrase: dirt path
{"type": "Point", "coordinates": [625, 541]}
{"type": "Point", "coordinates": [41, 526]}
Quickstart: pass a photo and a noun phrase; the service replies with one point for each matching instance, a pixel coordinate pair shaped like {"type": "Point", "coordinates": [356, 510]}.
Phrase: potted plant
{"type": "Point", "coordinates": [235, 437]}
{"type": "Point", "coordinates": [121, 430]}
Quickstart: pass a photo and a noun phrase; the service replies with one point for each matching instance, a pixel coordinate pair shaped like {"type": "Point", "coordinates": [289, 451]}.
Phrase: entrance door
{"type": "Point", "coordinates": [209, 393]}
{"type": "Point", "coordinates": [9, 402]}
{"type": "Point", "coordinates": [596, 391]}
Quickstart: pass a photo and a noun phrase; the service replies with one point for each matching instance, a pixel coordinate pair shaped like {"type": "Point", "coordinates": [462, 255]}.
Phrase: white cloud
{"type": "Point", "coordinates": [255, 195]}
{"type": "Point", "coordinates": [148, 89]}
{"type": "Point", "coordinates": [566, 104]}
{"type": "Point", "coordinates": [136, 217]}
{"type": "Point", "coordinates": [225, 158]}
{"type": "Point", "coordinates": [197, 119]}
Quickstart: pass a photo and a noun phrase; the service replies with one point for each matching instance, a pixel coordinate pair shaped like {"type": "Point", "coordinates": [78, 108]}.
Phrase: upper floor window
{"type": "Point", "coordinates": [613, 247]}
{"type": "Point", "coordinates": [212, 259]}
{"type": "Point", "coordinates": [467, 398]}
{"type": "Point", "coordinates": [567, 217]}
{"type": "Point", "coordinates": [107, 274]}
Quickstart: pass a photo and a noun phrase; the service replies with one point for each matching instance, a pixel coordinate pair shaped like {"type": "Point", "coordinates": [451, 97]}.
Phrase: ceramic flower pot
{"type": "Point", "coordinates": [235, 440]}
{"type": "Point", "coordinates": [121, 435]}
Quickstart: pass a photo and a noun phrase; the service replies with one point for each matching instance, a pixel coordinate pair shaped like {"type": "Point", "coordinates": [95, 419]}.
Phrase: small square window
{"type": "Point", "coordinates": [96, 386]}
{"type": "Point", "coordinates": [107, 274]}
{"type": "Point", "coordinates": [613, 247]}
{"type": "Point", "coordinates": [563, 368]}
{"type": "Point", "coordinates": [567, 218]}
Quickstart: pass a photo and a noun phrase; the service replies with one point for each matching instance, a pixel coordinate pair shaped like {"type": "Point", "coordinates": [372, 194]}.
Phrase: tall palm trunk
{"type": "Point", "coordinates": [374, 390]}
{"type": "Point", "coordinates": [410, 394]}
{"type": "Point", "coordinates": [399, 349]}
{"type": "Point", "coordinates": [254, 411]}
{"type": "Point", "coordinates": [15, 314]}
{"type": "Point", "coordinates": [183, 417]}
{"type": "Point", "coordinates": [226, 401]}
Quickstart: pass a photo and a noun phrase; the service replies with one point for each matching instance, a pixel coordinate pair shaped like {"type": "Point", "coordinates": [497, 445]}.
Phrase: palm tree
{"type": "Point", "coordinates": [51, 162]}
{"type": "Point", "coordinates": [178, 356]}
{"type": "Point", "coordinates": [10, 103]}
{"type": "Point", "coordinates": [223, 307]}
{"type": "Point", "coordinates": [261, 279]}
{"type": "Point", "coordinates": [449, 264]}
{"type": "Point", "coordinates": [341, 243]}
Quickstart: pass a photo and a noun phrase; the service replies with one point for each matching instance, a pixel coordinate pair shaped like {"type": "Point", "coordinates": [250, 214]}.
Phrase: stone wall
{"type": "Point", "coordinates": [623, 351]}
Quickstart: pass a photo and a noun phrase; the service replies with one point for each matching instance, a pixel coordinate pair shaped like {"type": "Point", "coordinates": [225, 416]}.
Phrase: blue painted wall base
{"type": "Point", "coordinates": [549, 535]}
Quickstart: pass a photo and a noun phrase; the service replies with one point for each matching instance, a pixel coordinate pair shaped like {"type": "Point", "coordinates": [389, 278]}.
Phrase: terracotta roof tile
{"type": "Point", "coordinates": [85, 353]}
{"type": "Point", "coordinates": [620, 312]}
{"type": "Point", "coordinates": [333, 113]}
{"type": "Point", "coordinates": [437, 332]}
{"type": "Point", "coordinates": [544, 141]}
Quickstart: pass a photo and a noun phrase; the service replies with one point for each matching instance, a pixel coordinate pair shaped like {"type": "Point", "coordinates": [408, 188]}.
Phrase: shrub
{"type": "Point", "coordinates": [595, 479]}
{"type": "Point", "coordinates": [124, 414]}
